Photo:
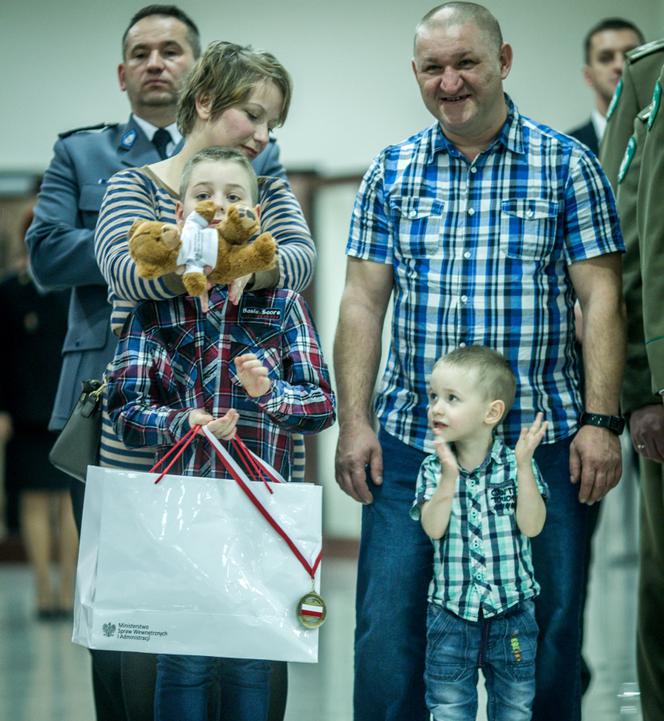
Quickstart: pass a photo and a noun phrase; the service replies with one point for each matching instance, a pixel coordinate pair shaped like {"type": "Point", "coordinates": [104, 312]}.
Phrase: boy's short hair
{"type": "Point", "coordinates": [226, 75]}
{"type": "Point", "coordinates": [496, 377]}
{"type": "Point", "coordinates": [217, 153]}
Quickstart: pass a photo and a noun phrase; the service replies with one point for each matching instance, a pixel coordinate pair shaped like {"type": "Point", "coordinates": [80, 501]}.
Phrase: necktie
{"type": "Point", "coordinates": [160, 140]}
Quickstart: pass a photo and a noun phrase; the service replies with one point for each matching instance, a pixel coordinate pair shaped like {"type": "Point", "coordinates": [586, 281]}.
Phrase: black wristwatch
{"type": "Point", "coordinates": [615, 424]}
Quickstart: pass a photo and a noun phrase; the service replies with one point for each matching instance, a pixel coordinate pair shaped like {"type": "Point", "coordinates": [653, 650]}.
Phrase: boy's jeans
{"type": "Point", "coordinates": [183, 685]}
{"type": "Point", "coordinates": [504, 646]}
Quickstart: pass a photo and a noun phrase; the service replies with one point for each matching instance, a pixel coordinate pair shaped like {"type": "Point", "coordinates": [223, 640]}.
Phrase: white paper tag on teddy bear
{"type": "Point", "coordinates": [199, 245]}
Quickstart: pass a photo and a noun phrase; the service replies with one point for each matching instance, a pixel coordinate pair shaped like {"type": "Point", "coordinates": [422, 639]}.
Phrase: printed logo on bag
{"type": "Point", "coordinates": [109, 629]}
{"type": "Point", "coordinates": [138, 632]}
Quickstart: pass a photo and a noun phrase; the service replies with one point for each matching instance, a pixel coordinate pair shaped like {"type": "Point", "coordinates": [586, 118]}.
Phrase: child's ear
{"type": "Point", "coordinates": [495, 412]}
{"type": "Point", "coordinates": [179, 212]}
{"type": "Point", "coordinates": [257, 210]}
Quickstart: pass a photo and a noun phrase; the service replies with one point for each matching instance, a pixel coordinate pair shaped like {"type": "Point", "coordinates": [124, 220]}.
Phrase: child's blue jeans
{"type": "Point", "coordinates": [504, 646]}
{"type": "Point", "coordinates": [183, 685]}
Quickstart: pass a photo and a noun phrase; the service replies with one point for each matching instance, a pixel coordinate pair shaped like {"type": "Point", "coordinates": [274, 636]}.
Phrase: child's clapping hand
{"type": "Point", "coordinates": [222, 428]}
{"type": "Point", "coordinates": [252, 374]}
{"type": "Point", "coordinates": [529, 439]}
{"type": "Point", "coordinates": [448, 462]}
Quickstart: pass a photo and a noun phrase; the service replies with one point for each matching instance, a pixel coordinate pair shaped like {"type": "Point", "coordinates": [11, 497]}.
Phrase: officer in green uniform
{"type": "Point", "coordinates": [650, 224]}
{"type": "Point", "coordinates": [634, 91]}
{"type": "Point", "coordinates": [630, 163]}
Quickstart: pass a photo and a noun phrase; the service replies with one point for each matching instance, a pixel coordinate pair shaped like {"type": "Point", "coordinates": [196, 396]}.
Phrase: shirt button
{"type": "Point", "coordinates": [412, 214]}
{"type": "Point", "coordinates": [466, 254]}
{"type": "Point", "coordinates": [529, 213]}
{"type": "Point", "coordinates": [471, 211]}
{"type": "Point", "coordinates": [479, 576]}
{"type": "Point", "coordinates": [462, 345]}
{"type": "Point", "coordinates": [473, 169]}
{"type": "Point", "coordinates": [464, 298]}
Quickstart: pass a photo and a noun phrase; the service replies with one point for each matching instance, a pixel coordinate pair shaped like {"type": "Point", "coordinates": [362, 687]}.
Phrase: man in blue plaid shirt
{"type": "Point", "coordinates": [483, 228]}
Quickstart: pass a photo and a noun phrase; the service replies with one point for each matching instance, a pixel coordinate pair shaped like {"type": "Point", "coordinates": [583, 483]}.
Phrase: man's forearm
{"type": "Point", "coordinates": [357, 351]}
{"type": "Point", "coordinates": [604, 344]}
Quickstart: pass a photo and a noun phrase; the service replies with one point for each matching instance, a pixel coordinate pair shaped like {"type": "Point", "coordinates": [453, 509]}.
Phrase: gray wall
{"type": "Point", "coordinates": [354, 90]}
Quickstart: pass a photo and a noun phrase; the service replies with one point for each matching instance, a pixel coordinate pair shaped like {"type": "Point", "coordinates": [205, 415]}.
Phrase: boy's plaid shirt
{"type": "Point", "coordinates": [172, 358]}
{"type": "Point", "coordinates": [483, 561]}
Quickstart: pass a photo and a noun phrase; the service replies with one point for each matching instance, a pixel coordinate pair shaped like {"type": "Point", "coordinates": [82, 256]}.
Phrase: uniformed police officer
{"type": "Point", "coordinates": [630, 161]}
{"type": "Point", "coordinates": [159, 47]}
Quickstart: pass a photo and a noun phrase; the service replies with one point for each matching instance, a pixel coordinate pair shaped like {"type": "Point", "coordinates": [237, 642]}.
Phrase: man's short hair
{"type": "Point", "coordinates": [495, 376]}
{"type": "Point", "coordinates": [226, 75]}
{"type": "Point", "coordinates": [217, 153]}
{"type": "Point", "coordinates": [193, 36]}
{"type": "Point", "coordinates": [608, 24]}
{"type": "Point", "coordinates": [466, 12]}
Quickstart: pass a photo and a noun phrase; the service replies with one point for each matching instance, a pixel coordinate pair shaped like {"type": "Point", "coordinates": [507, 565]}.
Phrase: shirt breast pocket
{"type": "Point", "coordinates": [528, 228]}
{"type": "Point", "coordinates": [261, 339]}
{"type": "Point", "coordinates": [185, 368]}
{"type": "Point", "coordinates": [181, 350]}
{"type": "Point", "coordinates": [502, 499]}
{"type": "Point", "coordinates": [419, 222]}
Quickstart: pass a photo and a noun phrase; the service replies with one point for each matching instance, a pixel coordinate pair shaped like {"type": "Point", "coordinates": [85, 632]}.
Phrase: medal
{"type": "Point", "coordinates": [311, 610]}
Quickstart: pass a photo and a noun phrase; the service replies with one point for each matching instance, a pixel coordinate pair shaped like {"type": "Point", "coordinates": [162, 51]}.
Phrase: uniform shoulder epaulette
{"type": "Point", "coordinates": [88, 128]}
{"type": "Point", "coordinates": [643, 50]}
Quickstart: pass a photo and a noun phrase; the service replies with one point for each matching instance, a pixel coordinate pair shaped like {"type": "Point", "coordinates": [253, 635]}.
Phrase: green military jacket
{"type": "Point", "coordinates": [634, 91]}
{"type": "Point", "coordinates": [621, 156]}
{"type": "Point", "coordinates": [650, 226]}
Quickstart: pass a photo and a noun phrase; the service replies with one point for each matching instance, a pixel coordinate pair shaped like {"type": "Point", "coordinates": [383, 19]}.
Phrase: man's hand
{"type": "Point", "coordinates": [646, 426]}
{"type": "Point", "coordinates": [595, 462]}
{"type": "Point", "coordinates": [252, 374]}
{"type": "Point", "coordinates": [357, 448]}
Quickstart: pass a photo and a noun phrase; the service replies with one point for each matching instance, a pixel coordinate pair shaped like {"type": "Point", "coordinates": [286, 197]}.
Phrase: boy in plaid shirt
{"type": "Point", "coordinates": [255, 368]}
{"type": "Point", "coordinates": [479, 502]}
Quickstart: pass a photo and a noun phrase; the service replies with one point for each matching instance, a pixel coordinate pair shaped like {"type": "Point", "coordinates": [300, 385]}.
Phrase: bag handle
{"type": "Point", "coordinates": [241, 479]}
{"type": "Point", "coordinates": [182, 444]}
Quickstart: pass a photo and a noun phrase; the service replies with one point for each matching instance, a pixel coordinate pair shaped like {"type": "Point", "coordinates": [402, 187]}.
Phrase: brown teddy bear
{"type": "Point", "coordinates": [155, 247]}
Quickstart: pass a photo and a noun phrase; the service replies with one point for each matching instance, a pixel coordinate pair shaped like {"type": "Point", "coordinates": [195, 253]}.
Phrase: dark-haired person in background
{"type": "Point", "coordinates": [604, 49]}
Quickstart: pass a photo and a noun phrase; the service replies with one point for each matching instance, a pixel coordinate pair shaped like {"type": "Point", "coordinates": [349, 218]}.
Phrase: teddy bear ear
{"type": "Point", "coordinates": [134, 227]}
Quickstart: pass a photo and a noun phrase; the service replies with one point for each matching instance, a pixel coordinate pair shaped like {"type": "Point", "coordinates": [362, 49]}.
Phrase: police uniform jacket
{"type": "Point", "coordinates": [61, 240]}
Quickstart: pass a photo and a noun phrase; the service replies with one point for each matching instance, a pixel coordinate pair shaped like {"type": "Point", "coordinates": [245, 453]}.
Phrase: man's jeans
{"type": "Point", "coordinates": [394, 570]}
{"type": "Point", "coordinates": [184, 682]}
{"type": "Point", "coordinates": [504, 647]}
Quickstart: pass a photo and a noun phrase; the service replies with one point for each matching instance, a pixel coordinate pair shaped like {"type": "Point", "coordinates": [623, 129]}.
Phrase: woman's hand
{"type": "Point", "coordinates": [253, 375]}
{"type": "Point", "coordinates": [236, 288]}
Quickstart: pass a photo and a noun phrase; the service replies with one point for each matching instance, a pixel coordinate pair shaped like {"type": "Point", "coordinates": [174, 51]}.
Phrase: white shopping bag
{"type": "Point", "coordinates": [190, 566]}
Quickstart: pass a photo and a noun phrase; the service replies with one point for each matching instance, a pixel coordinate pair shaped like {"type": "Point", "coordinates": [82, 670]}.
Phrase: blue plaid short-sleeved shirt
{"type": "Point", "coordinates": [483, 561]}
{"type": "Point", "coordinates": [480, 254]}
